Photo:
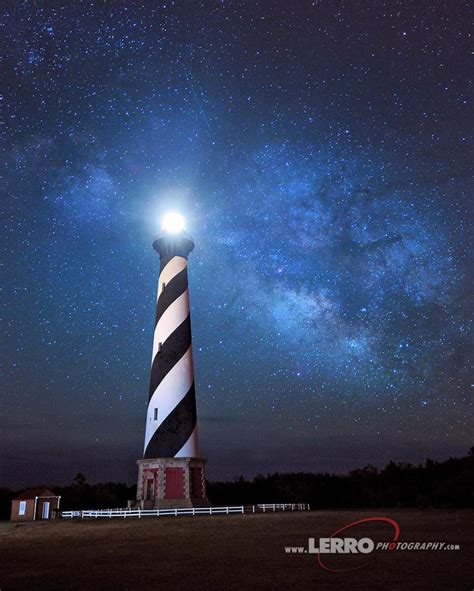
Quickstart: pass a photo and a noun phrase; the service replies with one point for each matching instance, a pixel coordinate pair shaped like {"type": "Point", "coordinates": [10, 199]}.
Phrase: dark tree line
{"type": "Point", "coordinates": [432, 484]}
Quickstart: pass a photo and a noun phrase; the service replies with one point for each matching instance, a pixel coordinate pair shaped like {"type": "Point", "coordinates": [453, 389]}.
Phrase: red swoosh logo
{"type": "Point", "coordinates": [392, 522]}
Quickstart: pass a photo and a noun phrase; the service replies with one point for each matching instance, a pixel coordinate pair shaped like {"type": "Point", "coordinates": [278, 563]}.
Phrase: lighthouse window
{"type": "Point", "coordinates": [155, 415]}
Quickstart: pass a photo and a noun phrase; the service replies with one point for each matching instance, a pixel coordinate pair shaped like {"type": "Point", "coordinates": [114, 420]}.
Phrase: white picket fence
{"type": "Point", "coordinates": [94, 514]}
{"type": "Point", "coordinates": [281, 507]}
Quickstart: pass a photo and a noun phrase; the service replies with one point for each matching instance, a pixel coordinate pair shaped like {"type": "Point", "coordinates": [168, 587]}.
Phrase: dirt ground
{"type": "Point", "coordinates": [234, 552]}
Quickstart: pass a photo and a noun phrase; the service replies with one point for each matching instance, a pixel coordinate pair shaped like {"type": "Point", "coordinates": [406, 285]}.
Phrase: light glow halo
{"type": "Point", "coordinates": [173, 223]}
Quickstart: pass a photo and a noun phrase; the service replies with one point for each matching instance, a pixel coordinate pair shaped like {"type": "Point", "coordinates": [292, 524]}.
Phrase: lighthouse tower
{"type": "Point", "coordinates": [171, 473]}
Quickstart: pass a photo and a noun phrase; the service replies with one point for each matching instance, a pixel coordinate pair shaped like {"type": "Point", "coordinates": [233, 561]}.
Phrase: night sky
{"type": "Point", "coordinates": [321, 153]}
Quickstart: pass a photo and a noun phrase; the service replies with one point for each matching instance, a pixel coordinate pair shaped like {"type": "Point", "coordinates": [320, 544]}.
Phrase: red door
{"type": "Point", "coordinates": [174, 488]}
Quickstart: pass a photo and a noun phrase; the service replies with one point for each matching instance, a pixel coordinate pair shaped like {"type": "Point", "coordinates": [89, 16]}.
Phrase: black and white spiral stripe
{"type": "Point", "coordinates": [171, 429]}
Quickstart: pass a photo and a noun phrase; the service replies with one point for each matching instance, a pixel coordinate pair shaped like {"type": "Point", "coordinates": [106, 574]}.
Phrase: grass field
{"type": "Point", "coordinates": [233, 552]}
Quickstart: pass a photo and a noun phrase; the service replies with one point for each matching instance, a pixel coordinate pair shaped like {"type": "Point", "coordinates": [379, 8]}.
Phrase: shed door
{"type": "Point", "coordinates": [45, 510]}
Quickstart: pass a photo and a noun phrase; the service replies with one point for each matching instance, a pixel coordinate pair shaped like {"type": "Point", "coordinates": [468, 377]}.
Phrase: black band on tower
{"type": "Point", "coordinates": [171, 292]}
{"type": "Point", "coordinates": [172, 350]}
{"type": "Point", "coordinates": [175, 430]}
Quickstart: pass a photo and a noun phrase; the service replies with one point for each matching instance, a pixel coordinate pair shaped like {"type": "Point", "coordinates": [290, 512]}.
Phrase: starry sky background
{"type": "Point", "coordinates": [321, 153]}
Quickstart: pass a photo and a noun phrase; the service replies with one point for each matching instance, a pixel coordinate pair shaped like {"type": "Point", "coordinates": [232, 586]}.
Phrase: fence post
{"type": "Point", "coordinates": [194, 511]}
{"type": "Point", "coordinates": [227, 510]}
{"type": "Point", "coordinates": [139, 513]}
{"type": "Point", "coordinates": [176, 512]}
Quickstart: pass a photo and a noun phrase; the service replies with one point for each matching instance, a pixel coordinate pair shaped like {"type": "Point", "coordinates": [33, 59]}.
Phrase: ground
{"type": "Point", "coordinates": [235, 552]}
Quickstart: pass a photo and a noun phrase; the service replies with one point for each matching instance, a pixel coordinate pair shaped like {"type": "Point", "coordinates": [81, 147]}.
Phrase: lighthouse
{"type": "Point", "coordinates": [171, 473]}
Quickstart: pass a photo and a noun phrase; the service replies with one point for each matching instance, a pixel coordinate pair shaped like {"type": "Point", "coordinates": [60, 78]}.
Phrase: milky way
{"type": "Point", "coordinates": [320, 152]}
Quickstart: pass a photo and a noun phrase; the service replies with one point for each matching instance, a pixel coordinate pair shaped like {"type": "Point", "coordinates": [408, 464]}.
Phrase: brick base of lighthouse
{"type": "Point", "coordinates": [171, 483]}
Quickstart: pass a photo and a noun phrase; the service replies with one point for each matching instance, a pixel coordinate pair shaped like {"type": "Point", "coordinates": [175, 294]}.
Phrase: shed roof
{"type": "Point", "coordinates": [31, 493]}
